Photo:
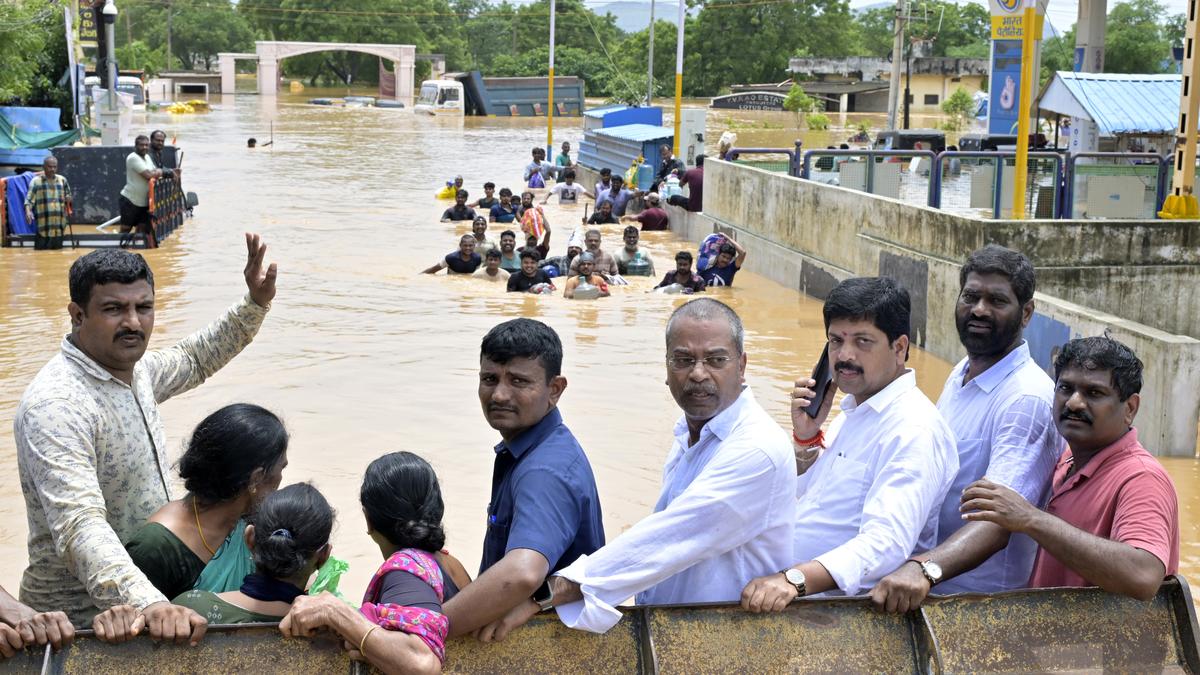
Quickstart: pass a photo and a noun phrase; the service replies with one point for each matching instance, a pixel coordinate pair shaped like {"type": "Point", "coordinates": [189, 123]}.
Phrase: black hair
{"type": "Point", "coordinates": [1103, 353]}
{"type": "Point", "coordinates": [489, 185]}
{"type": "Point", "coordinates": [505, 192]}
{"type": "Point", "coordinates": [492, 253]}
{"type": "Point", "coordinates": [461, 193]}
{"type": "Point", "coordinates": [699, 160]}
{"type": "Point", "coordinates": [140, 137]}
{"type": "Point", "coordinates": [844, 146]}
{"type": "Point", "coordinates": [403, 502]}
{"type": "Point", "coordinates": [105, 266]}
{"type": "Point", "coordinates": [508, 233]}
{"type": "Point", "coordinates": [527, 253]}
{"type": "Point", "coordinates": [684, 255]}
{"type": "Point", "coordinates": [879, 300]}
{"type": "Point", "coordinates": [158, 131]}
{"type": "Point", "coordinates": [569, 173]}
{"type": "Point", "coordinates": [606, 171]}
{"type": "Point", "coordinates": [952, 148]}
{"type": "Point", "coordinates": [619, 178]}
{"type": "Point", "coordinates": [727, 248]}
{"type": "Point", "coordinates": [290, 526]}
{"type": "Point", "coordinates": [995, 259]}
{"type": "Point", "coordinates": [226, 447]}
{"type": "Point", "coordinates": [251, 141]}
{"type": "Point", "coordinates": [630, 229]}
{"type": "Point", "coordinates": [524, 338]}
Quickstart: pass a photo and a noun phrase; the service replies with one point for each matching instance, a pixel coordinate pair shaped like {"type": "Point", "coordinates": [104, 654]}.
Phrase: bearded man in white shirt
{"type": "Point", "coordinates": [727, 506]}
{"type": "Point", "coordinates": [998, 402]}
{"type": "Point", "coordinates": [874, 493]}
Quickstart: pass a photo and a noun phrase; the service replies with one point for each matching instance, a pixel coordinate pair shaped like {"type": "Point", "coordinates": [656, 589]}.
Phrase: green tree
{"type": "Point", "coordinates": [1137, 40]}
{"type": "Point", "coordinates": [138, 55]}
{"type": "Point", "coordinates": [22, 34]}
{"type": "Point", "coordinates": [201, 29]}
{"type": "Point", "coordinates": [958, 106]}
{"type": "Point", "coordinates": [961, 31]}
{"type": "Point", "coordinates": [799, 102]}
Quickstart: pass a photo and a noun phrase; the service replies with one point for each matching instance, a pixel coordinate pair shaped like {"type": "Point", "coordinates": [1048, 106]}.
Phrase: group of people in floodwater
{"type": "Point", "coordinates": [1014, 478]}
{"type": "Point", "coordinates": [588, 269]}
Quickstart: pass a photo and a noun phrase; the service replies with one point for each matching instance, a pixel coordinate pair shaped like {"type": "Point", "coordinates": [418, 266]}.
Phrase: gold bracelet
{"type": "Point", "coordinates": [363, 642]}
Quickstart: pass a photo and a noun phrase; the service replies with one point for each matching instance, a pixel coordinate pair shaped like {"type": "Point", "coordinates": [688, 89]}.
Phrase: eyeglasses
{"type": "Point", "coordinates": [686, 363]}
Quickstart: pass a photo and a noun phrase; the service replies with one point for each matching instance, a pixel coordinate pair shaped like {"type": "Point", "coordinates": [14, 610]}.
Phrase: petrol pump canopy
{"type": "Point", "coordinates": [1117, 104]}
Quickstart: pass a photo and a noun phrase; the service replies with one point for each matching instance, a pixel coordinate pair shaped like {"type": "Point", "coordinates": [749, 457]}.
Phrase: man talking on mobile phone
{"type": "Point", "coordinates": [874, 494]}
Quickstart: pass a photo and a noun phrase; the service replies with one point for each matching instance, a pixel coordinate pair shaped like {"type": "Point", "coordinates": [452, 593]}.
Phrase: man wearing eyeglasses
{"type": "Point", "coordinates": [727, 507]}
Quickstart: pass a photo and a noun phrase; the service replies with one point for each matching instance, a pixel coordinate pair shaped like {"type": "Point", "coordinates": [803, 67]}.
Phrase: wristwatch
{"type": "Point", "coordinates": [544, 596]}
{"type": "Point", "coordinates": [796, 578]}
{"type": "Point", "coordinates": [931, 570]}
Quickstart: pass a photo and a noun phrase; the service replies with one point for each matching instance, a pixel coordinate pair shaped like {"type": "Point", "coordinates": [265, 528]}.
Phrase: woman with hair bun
{"type": "Point", "coordinates": [289, 537]}
{"type": "Point", "coordinates": [234, 459]}
{"type": "Point", "coordinates": [403, 506]}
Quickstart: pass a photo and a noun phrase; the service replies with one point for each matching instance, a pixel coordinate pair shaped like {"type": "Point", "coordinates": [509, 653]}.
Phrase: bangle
{"type": "Point", "coordinates": [817, 439]}
{"type": "Point", "coordinates": [363, 642]}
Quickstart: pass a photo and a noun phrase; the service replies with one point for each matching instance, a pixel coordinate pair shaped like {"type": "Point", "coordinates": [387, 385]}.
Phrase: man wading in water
{"type": "Point", "coordinates": [91, 448]}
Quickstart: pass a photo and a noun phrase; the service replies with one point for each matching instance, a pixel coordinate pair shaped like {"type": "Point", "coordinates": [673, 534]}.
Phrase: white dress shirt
{"type": "Point", "coordinates": [875, 493]}
{"type": "Point", "coordinates": [1004, 427]}
{"type": "Point", "coordinates": [725, 516]}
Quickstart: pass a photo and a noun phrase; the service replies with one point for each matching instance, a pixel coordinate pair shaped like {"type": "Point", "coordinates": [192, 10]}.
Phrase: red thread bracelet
{"type": "Point", "coordinates": [816, 440]}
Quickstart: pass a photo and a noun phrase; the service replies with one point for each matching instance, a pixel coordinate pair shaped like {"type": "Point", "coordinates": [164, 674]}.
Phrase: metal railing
{"type": "Point", "coordinates": [791, 167]}
{"type": "Point", "coordinates": [1116, 198]}
{"type": "Point", "coordinates": [889, 173]}
{"type": "Point", "coordinates": [983, 183]}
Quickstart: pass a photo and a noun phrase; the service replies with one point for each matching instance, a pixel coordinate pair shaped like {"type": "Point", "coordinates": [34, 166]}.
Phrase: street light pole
{"type": "Point", "coordinates": [907, 80]}
{"type": "Point", "coordinates": [650, 60]}
{"type": "Point", "coordinates": [679, 74]}
{"type": "Point", "coordinates": [550, 106]}
{"type": "Point", "coordinates": [110, 21]}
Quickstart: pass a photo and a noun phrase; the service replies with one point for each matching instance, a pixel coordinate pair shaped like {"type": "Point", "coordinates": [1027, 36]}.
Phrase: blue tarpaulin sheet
{"type": "Point", "coordinates": [15, 189]}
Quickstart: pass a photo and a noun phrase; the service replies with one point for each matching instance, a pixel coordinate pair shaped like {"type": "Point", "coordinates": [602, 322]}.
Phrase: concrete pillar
{"type": "Point", "coordinates": [405, 73]}
{"type": "Point", "coordinates": [1090, 32]}
{"type": "Point", "coordinates": [228, 73]}
{"type": "Point", "coordinates": [843, 102]}
{"type": "Point", "coordinates": [268, 76]}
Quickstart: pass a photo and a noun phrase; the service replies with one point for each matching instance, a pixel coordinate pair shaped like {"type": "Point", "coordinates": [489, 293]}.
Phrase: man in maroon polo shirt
{"type": "Point", "coordinates": [1113, 516]}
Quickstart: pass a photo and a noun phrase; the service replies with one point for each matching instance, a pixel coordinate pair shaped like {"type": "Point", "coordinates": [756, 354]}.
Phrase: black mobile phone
{"type": "Point", "coordinates": [823, 374]}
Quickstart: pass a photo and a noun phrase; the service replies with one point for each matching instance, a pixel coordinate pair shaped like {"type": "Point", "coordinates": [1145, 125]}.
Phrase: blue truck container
{"type": "Point", "coordinates": [610, 117]}
{"type": "Point", "coordinates": [615, 148]}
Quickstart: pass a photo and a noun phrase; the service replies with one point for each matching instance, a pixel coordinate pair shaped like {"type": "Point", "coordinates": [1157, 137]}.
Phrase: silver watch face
{"type": "Point", "coordinates": [933, 569]}
{"type": "Point", "coordinates": [794, 576]}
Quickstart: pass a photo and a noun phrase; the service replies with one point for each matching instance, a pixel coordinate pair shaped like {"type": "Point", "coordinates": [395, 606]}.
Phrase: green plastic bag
{"type": "Point", "coordinates": [328, 578]}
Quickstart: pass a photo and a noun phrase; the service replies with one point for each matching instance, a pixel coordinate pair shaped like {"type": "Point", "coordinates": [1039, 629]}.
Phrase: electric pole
{"type": "Point", "coordinates": [650, 59]}
{"type": "Point", "coordinates": [897, 56]}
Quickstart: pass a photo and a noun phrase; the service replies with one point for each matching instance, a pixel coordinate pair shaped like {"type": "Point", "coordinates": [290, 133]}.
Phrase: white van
{"type": "Point", "coordinates": [126, 84]}
{"type": "Point", "coordinates": [440, 97]}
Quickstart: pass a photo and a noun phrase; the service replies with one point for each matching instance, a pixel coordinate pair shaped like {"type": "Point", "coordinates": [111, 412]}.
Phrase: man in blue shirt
{"type": "Point", "coordinates": [545, 511]}
{"type": "Point", "coordinates": [727, 262]}
{"type": "Point", "coordinates": [617, 195]}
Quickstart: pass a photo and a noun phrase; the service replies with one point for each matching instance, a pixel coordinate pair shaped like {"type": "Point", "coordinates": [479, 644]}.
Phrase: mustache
{"type": "Point", "coordinates": [846, 365]}
{"type": "Point", "coordinates": [710, 389]}
{"type": "Point", "coordinates": [492, 407]}
{"type": "Point", "coordinates": [1080, 416]}
{"type": "Point", "coordinates": [125, 333]}
{"type": "Point", "coordinates": [981, 319]}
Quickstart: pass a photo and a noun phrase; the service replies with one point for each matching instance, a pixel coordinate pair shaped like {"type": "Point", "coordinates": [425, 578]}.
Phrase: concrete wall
{"type": "Point", "coordinates": [809, 236]}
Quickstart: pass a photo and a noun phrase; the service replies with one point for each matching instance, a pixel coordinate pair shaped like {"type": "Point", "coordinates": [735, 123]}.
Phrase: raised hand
{"type": "Point", "coordinates": [261, 282]}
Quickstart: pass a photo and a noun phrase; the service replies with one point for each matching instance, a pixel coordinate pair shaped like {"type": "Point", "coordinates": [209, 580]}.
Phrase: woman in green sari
{"type": "Point", "coordinates": [235, 458]}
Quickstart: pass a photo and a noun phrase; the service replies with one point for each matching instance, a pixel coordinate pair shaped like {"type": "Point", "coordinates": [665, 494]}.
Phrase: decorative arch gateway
{"type": "Point", "coordinates": [269, 54]}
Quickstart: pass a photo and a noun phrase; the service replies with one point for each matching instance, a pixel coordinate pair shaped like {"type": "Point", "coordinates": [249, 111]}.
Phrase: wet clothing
{"type": "Point", "coordinates": [137, 188]}
{"type": "Point", "coordinates": [486, 204]}
{"type": "Point", "coordinates": [47, 199]}
{"type": "Point", "coordinates": [500, 276]}
{"type": "Point", "coordinates": [457, 265]}
{"type": "Point", "coordinates": [720, 276]}
{"type": "Point", "coordinates": [543, 497]}
{"type": "Point", "coordinates": [694, 285]}
{"type": "Point", "coordinates": [133, 217]}
{"type": "Point", "coordinates": [568, 193]}
{"type": "Point", "coordinates": [694, 180]}
{"type": "Point", "coordinates": [518, 282]}
{"type": "Point", "coordinates": [457, 212]}
{"type": "Point", "coordinates": [218, 611]}
{"type": "Point", "coordinates": [598, 218]}
{"type": "Point", "coordinates": [510, 263]}
{"type": "Point", "coordinates": [620, 200]}
{"type": "Point", "coordinates": [653, 218]}
{"type": "Point", "coordinates": [623, 256]}
{"type": "Point", "coordinates": [1123, 494]}
{"type": "Point", "coordinates": [92, 458]}
{"type": "Point", "coordinates": [503, 214]}
{"type": "Point", "coordinates": [605, 264]}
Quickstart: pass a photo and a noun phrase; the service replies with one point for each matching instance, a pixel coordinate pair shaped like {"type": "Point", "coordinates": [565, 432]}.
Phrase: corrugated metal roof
{"type": "Point", "coordinates": [637, 132]}
{"type": "Point", "coordinates": [601, 112]}
{"type": "Point", "coordinates": [1118, 104]}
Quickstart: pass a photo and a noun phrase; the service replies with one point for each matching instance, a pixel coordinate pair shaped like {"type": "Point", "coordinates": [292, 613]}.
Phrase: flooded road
{"type": "Point", "coordinates": [361, 355]}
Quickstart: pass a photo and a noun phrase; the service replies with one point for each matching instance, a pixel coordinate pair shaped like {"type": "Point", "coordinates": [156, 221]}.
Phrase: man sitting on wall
{"type": "Point", "coordinates": [1113, 516]}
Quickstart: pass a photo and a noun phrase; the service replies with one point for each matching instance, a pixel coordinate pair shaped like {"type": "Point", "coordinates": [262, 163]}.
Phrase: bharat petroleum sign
{"type": "Point", "coordinates": [1006, 19]}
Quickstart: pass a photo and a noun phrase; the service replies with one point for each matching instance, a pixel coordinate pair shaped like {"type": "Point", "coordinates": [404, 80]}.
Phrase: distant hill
{"type": "Point", "coordinates": [633, 16]}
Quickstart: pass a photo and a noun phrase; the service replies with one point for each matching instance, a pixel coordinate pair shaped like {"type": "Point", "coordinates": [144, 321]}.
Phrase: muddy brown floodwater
{"type": "Point", "coordinates": [361, 355]}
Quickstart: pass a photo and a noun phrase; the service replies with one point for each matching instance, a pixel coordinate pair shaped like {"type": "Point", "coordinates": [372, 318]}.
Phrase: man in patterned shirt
{"type": "Point", "coordinates": [91, 449]}
{"type": "Point", "coordinates": [46, 204]}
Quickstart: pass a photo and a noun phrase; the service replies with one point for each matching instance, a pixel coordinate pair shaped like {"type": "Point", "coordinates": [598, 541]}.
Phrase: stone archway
{"type": "Point", "coordinates": [269, 54]}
